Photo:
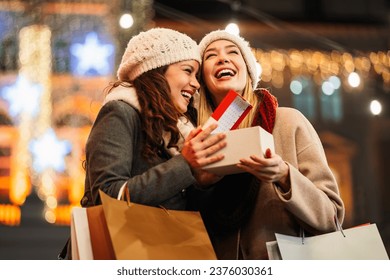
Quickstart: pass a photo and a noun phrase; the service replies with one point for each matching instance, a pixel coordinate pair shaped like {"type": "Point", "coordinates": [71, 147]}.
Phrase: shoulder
{"type": "Point", "coordinates": [116, 113]}
{"type": "Point", "coordinates": [290, 115]}
{"type": "Point", "coordinates": [290, 119]}
{"type": "Point", "coordinates": [119, 107]}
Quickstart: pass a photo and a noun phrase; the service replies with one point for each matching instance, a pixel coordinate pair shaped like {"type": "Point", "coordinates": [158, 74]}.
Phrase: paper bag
{"type": "Point", "coordinates": [100, 237]}
{"type": "Point", "coordinates": [79, 235]}
{"type": "Point", "coordinates": [141, 232]}
{"type": "Point", "coordinates": [273, 250]}
{"type": "Point", "coordinates": [358, 243]}
{"type": "Point", "coordinates": [90, 239]}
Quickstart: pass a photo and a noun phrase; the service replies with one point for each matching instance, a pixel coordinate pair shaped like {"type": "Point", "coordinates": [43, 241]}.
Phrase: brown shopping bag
{"type": "Point", "coordinates": [357, 243]}
{"type": "Point", "coordinates": [141, 232]}
{"type": "Point", "coordinates": [90, 239]}
{"type": "Point", "coordinates": [100, 237]}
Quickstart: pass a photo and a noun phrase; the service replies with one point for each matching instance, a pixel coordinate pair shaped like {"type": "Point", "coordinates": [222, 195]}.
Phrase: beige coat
{"type": "Point", "coordinates": [311, 204]}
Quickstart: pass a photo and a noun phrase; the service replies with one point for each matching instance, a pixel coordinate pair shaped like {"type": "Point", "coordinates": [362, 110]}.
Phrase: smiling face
{"type": "Point", "coordinates": [181, 77]}
{"type": "Point", "coordinates": [224, 68]}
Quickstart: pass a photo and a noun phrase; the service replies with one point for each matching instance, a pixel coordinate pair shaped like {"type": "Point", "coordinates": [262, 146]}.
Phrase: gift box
{"type": "Point", "coordinates": [241, 143]}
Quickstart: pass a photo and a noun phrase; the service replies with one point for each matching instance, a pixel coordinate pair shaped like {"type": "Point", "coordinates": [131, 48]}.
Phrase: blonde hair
{"type": "Point", "coordinates": [206, 108]}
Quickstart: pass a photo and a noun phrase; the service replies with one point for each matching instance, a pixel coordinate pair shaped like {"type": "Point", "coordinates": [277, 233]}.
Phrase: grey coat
{"type": "Point", "coordinates": [114, 157]}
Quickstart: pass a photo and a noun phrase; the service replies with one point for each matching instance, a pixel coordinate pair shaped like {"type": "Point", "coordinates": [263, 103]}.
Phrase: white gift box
{"type": "Point", "coordinates": [241, 143]}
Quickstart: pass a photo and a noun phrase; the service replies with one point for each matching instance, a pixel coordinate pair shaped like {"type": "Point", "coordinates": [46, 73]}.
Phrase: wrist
{"type": "Point", "coordinates": [284, 182]}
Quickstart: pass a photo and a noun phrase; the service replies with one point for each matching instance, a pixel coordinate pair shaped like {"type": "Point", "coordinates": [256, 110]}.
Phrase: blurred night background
{"type": "Point", "coordinates": [329, 59]}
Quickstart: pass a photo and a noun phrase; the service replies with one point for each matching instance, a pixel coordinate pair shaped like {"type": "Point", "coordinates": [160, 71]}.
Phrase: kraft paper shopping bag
{"type": "Point", "coordinates": [144, 232]}
{"type": "Point", "coordinates": [100, 237]}
{"type": "Point", "coordinates": [90, 239]}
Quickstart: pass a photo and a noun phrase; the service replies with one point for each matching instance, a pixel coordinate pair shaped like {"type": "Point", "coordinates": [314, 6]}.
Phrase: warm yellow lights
{"type": "Point", "coordinates": [35, 66]}
{"type": "Point", "coordinates": [279, 66]}
{"type": "Point", "coordinates": [75, 172]}
{"type": "Point", "coordinates": [62, 214]}
{"type": "Point", "coordinates": [14, 186]}
{"type": "Point", "coordinates": [10, 214]}
{"type": "Point", "coordinates": [50, 216]}
{"type": "Point", "coordinates": [51, 202]}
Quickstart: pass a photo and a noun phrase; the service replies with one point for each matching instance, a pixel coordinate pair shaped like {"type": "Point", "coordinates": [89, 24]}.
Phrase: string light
{"type": "Point", "coordinates": [375, 107]}
{"type": "Point", "coordinates": [296, 87]}
{"type": "Point", "coordinates": [233, 28]}
{"type": "Point", "coordinates": [354, 79]}
{"type": "Point", "coordinates": [35, 58]}
{"type": "Point", "coordinates": [320, 66]}
{"type": "Point", "coordinates": [126, 21]}
{"type": "Point", "coordinates": [327, 88]}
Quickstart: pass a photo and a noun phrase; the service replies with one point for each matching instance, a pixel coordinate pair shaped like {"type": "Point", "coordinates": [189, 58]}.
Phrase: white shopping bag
{"type": "Point", "coordinates": [357, 243]}
{"type": "Point", "coordinates": [80, 235]}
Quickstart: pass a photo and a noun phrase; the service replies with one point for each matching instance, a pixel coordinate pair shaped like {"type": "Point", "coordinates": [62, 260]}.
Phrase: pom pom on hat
{"type": "Point", "coordinates": [155, 48]}
{"type": "Point", "coordinates": [243, 45]}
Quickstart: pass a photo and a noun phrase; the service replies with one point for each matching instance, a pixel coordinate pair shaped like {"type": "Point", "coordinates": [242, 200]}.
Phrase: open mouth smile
{"type": "Point", "coordinates": [224, 73]}
{"type": "Point", "coordinates": [186, 95]}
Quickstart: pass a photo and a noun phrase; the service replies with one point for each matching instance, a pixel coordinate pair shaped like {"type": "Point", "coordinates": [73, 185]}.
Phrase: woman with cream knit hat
{"type": "Point", "coordinates": [284, 192]}
{"type": "Point", "coordinates": [144, 137]}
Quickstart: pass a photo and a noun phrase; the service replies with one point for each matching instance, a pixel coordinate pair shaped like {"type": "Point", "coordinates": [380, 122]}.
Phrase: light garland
{"type": "Point", "coordinates": [35, 64]}
{"type": "Point", "coordinates": [320, 65]}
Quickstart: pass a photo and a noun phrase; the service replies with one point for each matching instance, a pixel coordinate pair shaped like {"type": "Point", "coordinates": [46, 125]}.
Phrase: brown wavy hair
{"type": "Point", "coordinates": [158, 113]}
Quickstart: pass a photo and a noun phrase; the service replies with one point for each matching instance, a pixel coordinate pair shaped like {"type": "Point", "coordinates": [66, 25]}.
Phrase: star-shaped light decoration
{"type": "Point", "coordinates": [23, 96]}
{"type": "Point", "coordinates": [92, 56]}
{"type": "Point", "coordinates": [49, 152]}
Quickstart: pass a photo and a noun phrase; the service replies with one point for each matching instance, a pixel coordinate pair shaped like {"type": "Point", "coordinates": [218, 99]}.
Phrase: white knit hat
{"type": "Point", "coordinates": [243, 45]}
{"type": "Point", "coordinates": [155, 48]}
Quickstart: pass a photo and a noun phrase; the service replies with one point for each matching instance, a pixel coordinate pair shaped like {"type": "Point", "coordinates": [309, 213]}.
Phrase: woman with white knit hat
{"type": "Point", "coordinates": [284, 192]}
{"type": "Point", "coordinates": [144, 137]}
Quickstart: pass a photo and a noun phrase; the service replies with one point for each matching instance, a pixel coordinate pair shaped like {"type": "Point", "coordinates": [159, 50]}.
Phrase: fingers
{"type": "Point", "coordinates": [207, 131]}
{"type": "Point", "coordinates": [198, 135]}
{"type": "Point", "coordinates": [263, 174]}
{"type": "Point", "coordinates": [208, 148]}
{"type": "Point", "coordinates": [211, 159]}
{"type": "Point", "coordinates": [214, 140]}
{"type": "Point", "coordinates": [266, 169]}
{"type": "Point", "coordinates": [201, 147]}
{"type": "Point", "coordinates": [208, 155]}
{"type": "Point", "coordinates": [194, 133]}
{"type": "Point", "coordinates": [255, 161]}
{"type": "Point", "coordinates": [201, 161]}
{"type": "Point", "coordinates": [205, 144]}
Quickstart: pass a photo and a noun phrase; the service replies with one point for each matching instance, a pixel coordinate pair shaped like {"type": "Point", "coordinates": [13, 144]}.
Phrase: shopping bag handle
{"type": "Point", "coordinates": [338, 225]}
{"type": "Point", "coordinates": [126, 197]}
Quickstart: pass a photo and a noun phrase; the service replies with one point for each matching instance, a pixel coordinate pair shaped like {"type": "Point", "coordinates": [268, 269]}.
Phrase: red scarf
{"type": "Point", "coordinates": [267, 111]}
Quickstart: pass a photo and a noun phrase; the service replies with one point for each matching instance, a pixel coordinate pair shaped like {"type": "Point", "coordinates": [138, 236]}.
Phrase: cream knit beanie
{"type": "Point", "coordinates": [243, 45]}
{"type": "Point", "coordinates": [155, 48]}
